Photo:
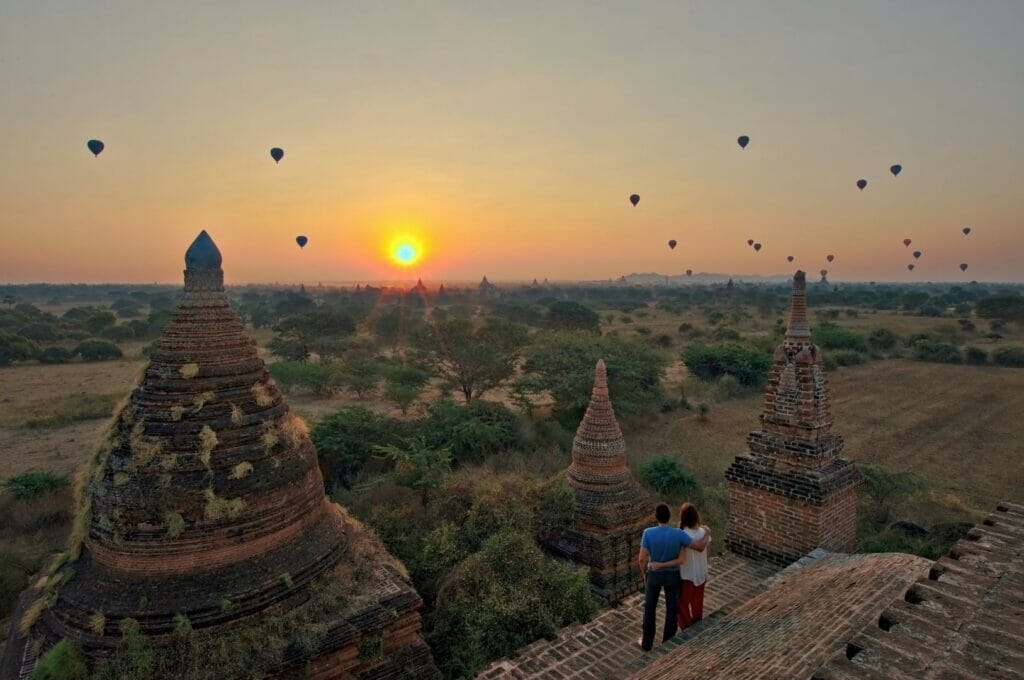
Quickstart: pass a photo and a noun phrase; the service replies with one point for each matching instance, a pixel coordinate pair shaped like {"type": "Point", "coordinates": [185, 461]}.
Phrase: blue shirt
{"type": "Point", "coordinates": [664, 543]}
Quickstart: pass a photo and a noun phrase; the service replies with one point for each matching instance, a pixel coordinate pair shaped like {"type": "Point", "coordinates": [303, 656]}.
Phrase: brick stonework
{"type": "Point", "coordinates": [963, 620]}
{"type": "Point", "coordinates": [792, 492]}
{"type": "Point", "coordinates": [605, 647]}
{"type": "Point", "coordinates": [804, 617]}
{"type": "Point", "coordinates": [206, 489]}
{"type": "Point", "coordinates": [612, 510]}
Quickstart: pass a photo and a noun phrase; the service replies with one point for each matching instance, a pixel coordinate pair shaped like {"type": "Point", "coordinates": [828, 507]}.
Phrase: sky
{"type": "Point", "coordinates": [504, 139]}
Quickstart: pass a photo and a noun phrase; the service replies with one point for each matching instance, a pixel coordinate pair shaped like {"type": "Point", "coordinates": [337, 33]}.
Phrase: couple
{"type": "Point", "coordinates": [674, 559]}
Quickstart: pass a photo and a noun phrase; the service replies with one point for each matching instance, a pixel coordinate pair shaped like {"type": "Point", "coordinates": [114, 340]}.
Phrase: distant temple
{"type": "Point", "coordinates": [205, 504]}
{"type": "Point", "coordinates": [792, 492]}
{"type": "Point", "coordinates": [612, 510]}
{"type": "Point", "coordinates": [419, 288]}
{"type": "Point", "coordinates": [487, 288]}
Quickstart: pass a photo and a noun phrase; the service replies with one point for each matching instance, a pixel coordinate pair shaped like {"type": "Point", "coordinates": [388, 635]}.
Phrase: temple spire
{"type": "Point", "coordinates": [799, 330]}
{"type": "Point", "coordinates": [203, 271]}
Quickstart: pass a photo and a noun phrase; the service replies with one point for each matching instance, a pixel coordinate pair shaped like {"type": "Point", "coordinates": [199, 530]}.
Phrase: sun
{"type": "Point", "coordinates": [405, 249]}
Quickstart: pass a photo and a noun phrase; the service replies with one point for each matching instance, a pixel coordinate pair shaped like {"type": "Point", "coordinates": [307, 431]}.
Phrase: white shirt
{"type": "Point", "coordinates": [695, 568]}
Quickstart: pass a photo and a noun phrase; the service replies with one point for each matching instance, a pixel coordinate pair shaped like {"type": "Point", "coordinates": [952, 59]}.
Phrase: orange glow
{"type": "Point", "coordinates": [405, 248]}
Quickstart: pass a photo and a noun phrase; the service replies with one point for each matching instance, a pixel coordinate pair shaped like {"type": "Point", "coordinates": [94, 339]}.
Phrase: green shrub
{"type": "Point", "coordinates": [940, 352]}
{"type": "Point", "coordinates": [708, 362]}
{"type": "Point", "coordinates": [664, 475]}
{"type": "Point", "coordinates": [643, 330]}
{"type": "Point", "coordinates": [55, 355]}
{"type": "Point", "coordinates": [975, 356]}
{"type": "Point", "coordinates": [98, 350]}
{"type": "Point", "coordinates": [316, 376]}
{"type": "Point", "coordinates": [16, 348]}
{"type": "Point", "coordinates": [345, 441]}
{"type": "Point", "coordinates": [64, 661]}
{"type": "Point", "coordinates": [831, 336]}
{"type": "Point", "coordinates": [848, 357]}
{"type": "Point", "coordinates": [571, 316]}
{"type": "Point", "coordinates": [472, 431]}
{"type": "Point", "coordinates": [33, 484]}
{"type": "Point", "coordinates": [1012, 356]}
{"type": "Point", "coordinates": [403, 384]}
{"type": "Point", "coordinates": [724, 333]}
{"type": "Point", "coordinates": [889, 540]}
{"type": "Point", "coordinates": [882, 339]}
{"type": "Point", "coordinates": [358, 374]}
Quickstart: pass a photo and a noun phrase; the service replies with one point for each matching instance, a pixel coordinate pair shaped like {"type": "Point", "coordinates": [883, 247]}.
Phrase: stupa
{"type": "Point", "coordinates": [205, 504]}
{"type": "Point", "coordinates": [612, 511]}
{"type": "Point", "coordinates": [792, 493]}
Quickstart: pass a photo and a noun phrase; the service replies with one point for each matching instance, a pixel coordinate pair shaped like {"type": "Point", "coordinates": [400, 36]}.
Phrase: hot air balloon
{"type": "Point", "coordinates": [743, 140]}
{"type": "Point", "coordinates": [750, 241]}
{"type": "Point", "coordinates": [861, 183]}
{"type": "Point", "coordinates": [302, 241]}
{"type": "Point", "coordinates": [789, 258]}
{"type": "Point", "coordinates": [277, 154]}
{"type": "Point", "coordinates": [910, 267]}
{"type": "Point", "coordinates": [917, 254]}
{"type": "Point", "coordinates": [830, 258]}
{"type": "Point", "coordinates": [963, 266]}
{"type": "Point", "coordinates": [906, 242]}
{"type": "Point", "coordinates": [966, 230]}
{"type": "Point", "coordinates": [895, 169]}
{"type": "Point", "coordinates": [757, 246]}
{"type": "Point", "coordinates": [689, 272]}
{"type": "Point", "coordinates": [824, 273]}
{"type": "Point", "coordinates": [634, 199]}
{"type": "Point", "coordinates": [96, 146]}
{"type": "Point", "coordinates": [672, 244]}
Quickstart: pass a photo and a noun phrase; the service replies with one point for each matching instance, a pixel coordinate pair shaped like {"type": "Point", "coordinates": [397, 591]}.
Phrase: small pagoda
{"type": "Point", "coordinates": [611, 509]}
{"type": "Point", "coordinates": [204, 507]}
{"type": "Point", "coordinates": [791, 492]}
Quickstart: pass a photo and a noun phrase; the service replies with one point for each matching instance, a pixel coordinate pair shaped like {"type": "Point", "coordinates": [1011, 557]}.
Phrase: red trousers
{"type": "Point", "coordinates": [691, 604]}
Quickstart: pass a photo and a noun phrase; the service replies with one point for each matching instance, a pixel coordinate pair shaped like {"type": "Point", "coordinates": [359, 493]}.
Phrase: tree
{"type": "Point", "coordinates": [289, 349]}
{"type": "Point", "coordinates": [567, 315]}
{"type": "Point", "coordinates": [345, 440]}
{"type": "Point", "coordinates": [472, 357]}
{"type": "Point", "coordinates": [359, 374]}
{"type": "Point", "coordinates": [98, 350]}
{"type": "Point", "coordinates": [563, 363]}
{"type": "Point", "coordinates": [418, 465]}
{"type": "Point", "coordinates": [317, 376]}
{"type": "Point", "coordinates": [748, 366]}
{"type": "Point", "coordinates": [1005, 307]}
{"type": "Point", "coordinates": [403, 384]}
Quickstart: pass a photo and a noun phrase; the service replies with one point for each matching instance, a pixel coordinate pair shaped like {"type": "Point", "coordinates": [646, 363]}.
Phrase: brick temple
{"type": "Point", "coordinates": [205, 501]}
{"type": "Point", "coordinates": [612, 510]}
{"type": "Point", "coordinates": [792, 493]}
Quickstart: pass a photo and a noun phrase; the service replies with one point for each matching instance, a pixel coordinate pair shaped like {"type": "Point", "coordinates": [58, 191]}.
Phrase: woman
{"type": "Point", "coordinates": [693, 571]}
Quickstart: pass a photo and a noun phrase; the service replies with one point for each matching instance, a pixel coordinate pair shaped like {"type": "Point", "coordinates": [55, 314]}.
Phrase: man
{"type": "Point", "coordinates": [667, 545]}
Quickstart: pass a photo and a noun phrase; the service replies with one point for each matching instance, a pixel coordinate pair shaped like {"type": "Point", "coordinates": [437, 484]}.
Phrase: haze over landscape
{"type": "Point", "coordinates": [508, 143]}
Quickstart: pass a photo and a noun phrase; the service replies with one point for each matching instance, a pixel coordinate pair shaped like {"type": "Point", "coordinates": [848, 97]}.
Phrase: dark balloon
{"type": "Point", "coordinates": [861, 183]}
{"type": "Point", "coordinates": [895, 169]}
{"type": "Point", "coordinates": [966, 230]}
{"type": "Point", "coordinates": [302, 241]}
{"type": "Point", "coordinates": [824, 273]}
{"type": "Point", "coordinates": [789, 258]}
{"type": "Point", "coordinates": [917, 254]}
{"type": "Point", "coordinates": [672, 244]}
{"type": "Point", "coordinates": [689, 272]}
{"type": "Point", "coordinates": [963, 266]}
{"type": "Point", "coordinates": [757, 246]}
{"type": "Point", "coordinates": [830, 258]}
{"type": "Point", "coordinates": [750, 241]}
{"type": "Point", "coordinates": [910, 267]}
{"type": "Point", "coordinates": [743, 140]}
{"type": "Point", "coordinates": [906, 242]}
{"type": "Point", "coordinates": [634, 199]}
{"type": "Point", "coordinates": [96, 146]}
{"type": "Point", "coordinates": [277, 154]}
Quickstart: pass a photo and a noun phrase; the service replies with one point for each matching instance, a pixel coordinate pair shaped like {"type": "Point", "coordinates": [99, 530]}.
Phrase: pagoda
{"type": "Point", "coordinates": [204, 505]}
{"type": "Point", "coordinates": [791, 492]}
{"type": "Point", "coordinates": [611, 509]}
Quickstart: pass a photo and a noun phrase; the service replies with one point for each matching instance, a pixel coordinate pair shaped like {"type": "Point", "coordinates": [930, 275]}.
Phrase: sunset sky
{"type": "Point", "coordinates": [505, 138]}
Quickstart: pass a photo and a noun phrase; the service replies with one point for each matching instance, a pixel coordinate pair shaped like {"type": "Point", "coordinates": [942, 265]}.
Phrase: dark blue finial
{"type": "Point", "coordinates": [202, 254]}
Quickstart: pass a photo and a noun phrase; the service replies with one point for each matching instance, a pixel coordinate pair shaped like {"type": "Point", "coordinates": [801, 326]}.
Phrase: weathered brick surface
{"type": "Point", "coordinates": [792, 492]}
{"type": "Point", "coordinates": [962, 620]}
{"type": "Point", "coordinates": [605, 647]}
{"type": "Point", "coordinates": [206, 489]}
{"type": "Point", "coordinates": [612, 510]}
{"type": "Point", "coordinates": [804, 617]}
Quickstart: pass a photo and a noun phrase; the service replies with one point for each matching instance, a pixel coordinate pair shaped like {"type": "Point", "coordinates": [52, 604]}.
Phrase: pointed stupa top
{"type": "Point", "coordinates": [599, 450]}
{"type": "Point", "coordinates": [203, 271]}
{"type": "Point", "coordinates": [799, 330]}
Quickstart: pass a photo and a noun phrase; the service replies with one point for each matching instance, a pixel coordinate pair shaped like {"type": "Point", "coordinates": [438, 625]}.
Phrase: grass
{"type": "Point", "coordinates": [62, 411]}
{"type": "Point", "coordinates": [241, 470]}
{"type": "Point", "coordinates": [33, 484]}
{"type": "Point", "coordinates": [221, 508]}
